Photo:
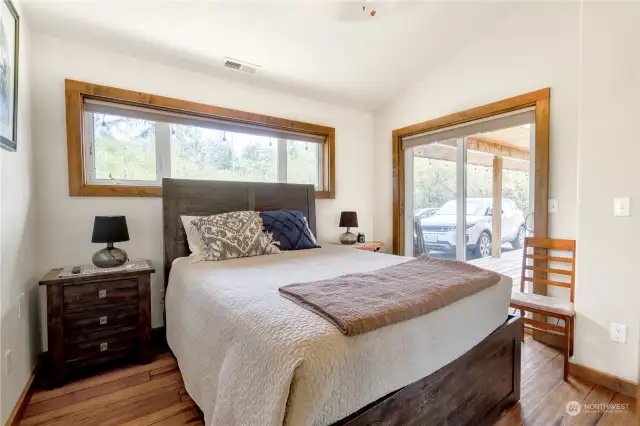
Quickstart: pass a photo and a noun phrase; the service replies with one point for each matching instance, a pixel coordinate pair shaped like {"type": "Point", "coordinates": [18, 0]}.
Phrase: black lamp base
{"type": "Point", "coordinates": [110, 257]}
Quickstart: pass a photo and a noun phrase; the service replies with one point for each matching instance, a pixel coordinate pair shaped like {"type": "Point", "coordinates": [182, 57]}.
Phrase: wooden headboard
{"type": "Point", "coordinates": [201, 198]}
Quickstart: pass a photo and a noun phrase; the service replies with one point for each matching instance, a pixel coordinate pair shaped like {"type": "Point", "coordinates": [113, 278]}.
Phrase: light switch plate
{"type": "Point", "coordinates": [553, 205]}
{"type": "Point", "coordinates": [621, 207]}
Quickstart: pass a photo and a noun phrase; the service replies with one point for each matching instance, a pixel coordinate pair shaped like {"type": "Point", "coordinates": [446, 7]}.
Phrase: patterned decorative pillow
{"type": "Point", "coordinates": [231, 235]}
{"type": "Point", "coordinates": [290, 228]}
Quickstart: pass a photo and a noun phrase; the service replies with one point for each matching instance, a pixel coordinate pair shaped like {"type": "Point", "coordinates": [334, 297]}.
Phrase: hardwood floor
{"type": "Point", "coordinates": [544, 395]}
{"type": "Point", "coordinates": [154, 394]}
{"type": "Point", "coordinates": [151, 394]}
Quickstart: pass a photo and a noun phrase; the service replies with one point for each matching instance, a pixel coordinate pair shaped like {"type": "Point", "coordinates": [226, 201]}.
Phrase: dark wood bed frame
{"type": "Point", "coordinates": [472, 390]}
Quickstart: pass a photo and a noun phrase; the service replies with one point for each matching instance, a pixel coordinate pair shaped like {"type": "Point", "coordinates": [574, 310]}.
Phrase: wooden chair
{"type": "Point", "coordinates": [546, 305]}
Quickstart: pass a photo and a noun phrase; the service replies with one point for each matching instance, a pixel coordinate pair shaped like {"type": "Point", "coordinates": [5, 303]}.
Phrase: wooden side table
{"type": "Point", "coordinates": [367, 245]}
{"type": "Point", "coordinates": [97, 318]}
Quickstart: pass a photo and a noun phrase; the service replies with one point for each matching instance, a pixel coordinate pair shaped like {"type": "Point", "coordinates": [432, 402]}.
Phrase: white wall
{"type": "Point", "coordinates": [66, 222]}
{"type": "Point", "coordinates": [18, 247]}
{"type": "Point", "coordinates": [593, 152]}
{"type": "Point", "coordinates": [608, 157]}
{"type": "Point", "coordinates": [510, 61]}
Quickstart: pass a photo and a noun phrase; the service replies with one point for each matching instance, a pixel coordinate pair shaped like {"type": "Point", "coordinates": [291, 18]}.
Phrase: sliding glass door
{"type": "Point", "coordinates": [434, 192]}
{"type": "Point", "coordinates": [467, 192]}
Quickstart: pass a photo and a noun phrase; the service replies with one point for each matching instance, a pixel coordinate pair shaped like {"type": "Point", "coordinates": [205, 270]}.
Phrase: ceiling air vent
{"type": "Point", "coordinates": [234, 64]}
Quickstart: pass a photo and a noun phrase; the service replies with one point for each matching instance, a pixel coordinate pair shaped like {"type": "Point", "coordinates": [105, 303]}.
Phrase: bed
{"type": "Point", "coordinates": [251, 357]}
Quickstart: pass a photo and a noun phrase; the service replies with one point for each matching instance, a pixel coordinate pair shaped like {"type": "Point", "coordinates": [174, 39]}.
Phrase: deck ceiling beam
{"type": "Point", "coordinates": [492, 147]}
{"type": "Point", "coordinates": [447, 152]}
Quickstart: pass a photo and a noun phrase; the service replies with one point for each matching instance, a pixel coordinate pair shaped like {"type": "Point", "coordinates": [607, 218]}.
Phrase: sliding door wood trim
{"type": "Point", "coordinates": [539, 99]}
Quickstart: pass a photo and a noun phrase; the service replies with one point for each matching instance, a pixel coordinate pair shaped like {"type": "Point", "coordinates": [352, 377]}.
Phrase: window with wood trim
{"type": "Point", "coordinates": [122, 143]}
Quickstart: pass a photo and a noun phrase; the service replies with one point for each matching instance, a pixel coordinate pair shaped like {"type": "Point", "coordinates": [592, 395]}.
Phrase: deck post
{"type": "Point", "coordinates": [496, 210]}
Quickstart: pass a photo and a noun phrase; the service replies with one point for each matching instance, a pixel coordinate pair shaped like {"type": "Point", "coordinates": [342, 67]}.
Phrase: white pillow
{"type": "Point", "coordinates": [192, 235]}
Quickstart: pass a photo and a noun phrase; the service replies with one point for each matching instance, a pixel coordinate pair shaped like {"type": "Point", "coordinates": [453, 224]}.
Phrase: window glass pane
{"type": "Point", "coordinates": [435, 194]}
{"type": "Point", "coordinates": [124, 148]}
{"type": "Point", "coordinates": [303, 160]}
{"type": "Point", "coordinates": [202, 153]}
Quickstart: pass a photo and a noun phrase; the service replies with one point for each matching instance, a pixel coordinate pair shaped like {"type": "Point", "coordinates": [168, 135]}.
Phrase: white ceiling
{"type": "Point", "coordinates": [327, 50]}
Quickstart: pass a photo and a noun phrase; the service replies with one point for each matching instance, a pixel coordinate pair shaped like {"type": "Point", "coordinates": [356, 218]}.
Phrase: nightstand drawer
{"type": "Point", "coordinates": [100, 319]}
{"type": "Point", "coordinates": [99, 293]}
{"type": "Point", "coordinates": [102, 343]}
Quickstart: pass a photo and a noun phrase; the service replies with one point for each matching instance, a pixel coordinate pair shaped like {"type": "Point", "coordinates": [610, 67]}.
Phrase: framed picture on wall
{"type": "Point", "coordinates": [9, 36]}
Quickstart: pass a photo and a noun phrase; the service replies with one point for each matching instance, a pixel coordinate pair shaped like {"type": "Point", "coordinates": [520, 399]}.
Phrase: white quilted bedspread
{"type": "Point", "coordinates": [251, 357]}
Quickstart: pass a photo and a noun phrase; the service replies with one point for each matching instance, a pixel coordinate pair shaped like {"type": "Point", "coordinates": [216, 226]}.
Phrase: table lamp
{"type": "Point", "coordinates": [110, 229]}
{"type": "Point", "coordinates": [348, 220]}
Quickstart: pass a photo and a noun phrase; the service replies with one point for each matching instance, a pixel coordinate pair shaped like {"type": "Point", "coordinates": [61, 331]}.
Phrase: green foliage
{"type": "Point", "coordinates": [515, 186]}
{"type": "Point", "coordinates": [200, 153]}
{"type": "Point", "coordinates": [302, 162]}
{"type": "Point", "coordinates": [125, 150]}
{"type": "Point", "coordinates": [435, 183]}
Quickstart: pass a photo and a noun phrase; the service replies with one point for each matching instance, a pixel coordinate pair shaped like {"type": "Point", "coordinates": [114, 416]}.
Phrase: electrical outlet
{"type": "Point", "coordinates": [20, 305]}
{"type": "Point", "coordinates": [8, 362]}
{"type": "Point", "coordinates": [618, 332]}
{"type": "Point", "coordinates": [621, 207]}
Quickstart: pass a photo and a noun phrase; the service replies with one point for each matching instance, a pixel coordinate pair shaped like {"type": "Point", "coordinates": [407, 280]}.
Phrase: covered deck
{"type": "Point", "coordinates": [499, 151]}
{"type": "Point", "coordinates": [509, 264]}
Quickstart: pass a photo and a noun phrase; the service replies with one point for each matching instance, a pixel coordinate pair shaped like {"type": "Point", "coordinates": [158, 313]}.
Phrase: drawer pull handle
{"type": "Point", "coordinates": [102, 294]}
{"type": "Point", "coordinates": [103, 320]}
{"type": "Point", "coordinates": [103, 346]}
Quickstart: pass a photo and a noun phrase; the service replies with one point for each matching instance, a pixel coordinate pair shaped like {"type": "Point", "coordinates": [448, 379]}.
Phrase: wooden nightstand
{"type": "Point", "coordinates": [367, 245]}
{"type": "Point", "coordinates": [97, 318]}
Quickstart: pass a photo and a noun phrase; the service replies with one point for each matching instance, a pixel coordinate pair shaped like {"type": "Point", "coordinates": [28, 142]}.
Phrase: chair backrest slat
{"type": "Point", "coordinates": [547, 282]}
{"type": "Point", "coordinates": [549, 258]}
{"type": "Point", "coordinates": [549, 270]}
{"type": "Point", "coordinates": [552, 243]}
{"type": "Point", "coordinates": [542, 259]}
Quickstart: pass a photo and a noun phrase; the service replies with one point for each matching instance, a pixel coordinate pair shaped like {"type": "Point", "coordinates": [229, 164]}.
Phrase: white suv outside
{"type": "Point", "coordinates": [439, 230]}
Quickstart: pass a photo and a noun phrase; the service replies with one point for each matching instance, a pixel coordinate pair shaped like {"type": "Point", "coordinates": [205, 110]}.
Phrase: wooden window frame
{"type": "Point", "coordinates": [77, 91]}
{"type": "Point", "coordinates": [539, 99]}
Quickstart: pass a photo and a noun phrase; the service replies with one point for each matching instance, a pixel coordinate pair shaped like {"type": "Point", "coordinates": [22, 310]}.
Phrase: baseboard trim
{"type": "Point", "coordinates": [615, 383]}
{"type": "Point", "coordinates": [23, 400]}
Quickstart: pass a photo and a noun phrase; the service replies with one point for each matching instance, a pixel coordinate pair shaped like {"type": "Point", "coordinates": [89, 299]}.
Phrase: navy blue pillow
{"type": "Point", "coordinates": [290, 228]}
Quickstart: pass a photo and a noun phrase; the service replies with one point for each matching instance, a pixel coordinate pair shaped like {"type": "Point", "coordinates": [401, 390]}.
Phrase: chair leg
{"type": "Point", "coordinates": [567, 334]}
{"type": "Point", "coordinates": [573, 334]}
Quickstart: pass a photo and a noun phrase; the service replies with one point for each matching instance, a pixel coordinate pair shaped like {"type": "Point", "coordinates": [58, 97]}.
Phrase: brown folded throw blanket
{"type": "Point", "coordinates": [358, 303]}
